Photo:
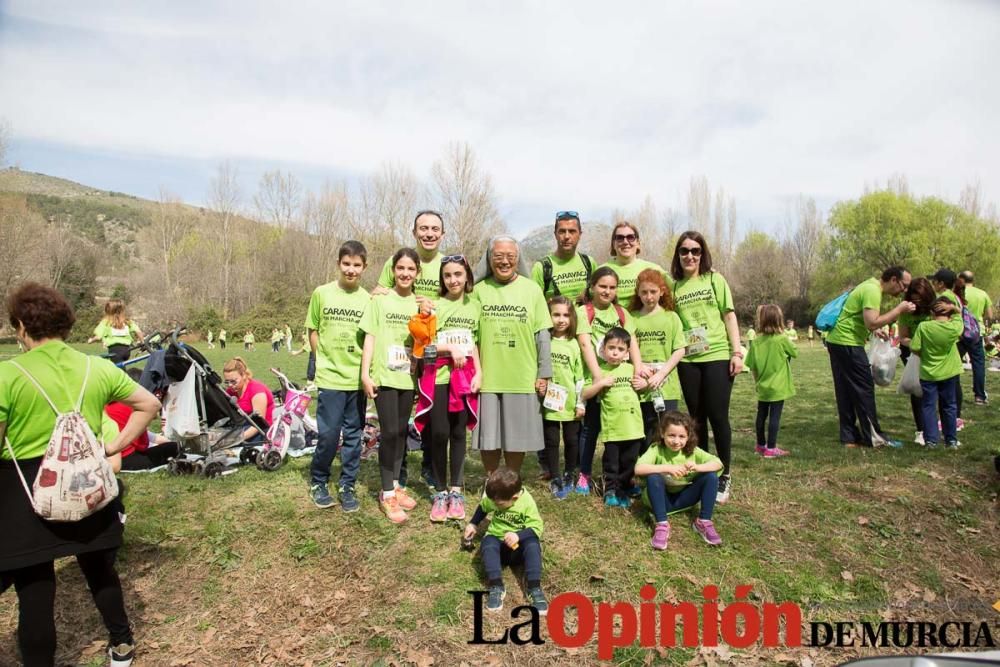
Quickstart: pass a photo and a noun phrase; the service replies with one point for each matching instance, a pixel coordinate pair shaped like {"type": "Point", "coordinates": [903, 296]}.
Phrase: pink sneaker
{"type": "Point", "coordinates": [760, 449]}
{"type": "Point", "coordinates": [456, 506]}
{"type": "Point", "coordinates": [439, 507]}
{"type": "Point", "coordinates": [661, 535]}
{"type": "Point", "coordinates": [706, 529]}
{"type": "Point", "coordinates": [774, 452]}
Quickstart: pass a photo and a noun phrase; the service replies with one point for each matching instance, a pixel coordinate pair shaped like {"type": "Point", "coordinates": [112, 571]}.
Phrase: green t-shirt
{"type": "Point", "coordinates": [334, 314]}
{"type": "Point", "coordinates": [629, 273]}
{"type": "Point", "coordinates": [792, 334]}
{"type": "Point", "coordinates": [60, 370]}
{"type": "Point", "coordinates": [458, 320]}
{"type": "Point", "coordinates": [621, 416]}
{"type": "Point", "coordinates": [249, 338]}
{"type": "Point", "coordinates": [701, 303]}
{"type": "Point", "coordinates": [512, 313]}
{"type": "Point", "coordinates": [951, 296]}
{"type": "Point", "coordinates": [427, 282]}
{"type": "Point", "coordinates": [660, 454]}
{"type": "Point", "coordinates": [277, 337]}
{"type": "Point", "coordinates": [751, 335]}
{"type": "Point", "coordinates": [222, 335]}
{"type": "Point", "coordinates": [387, 317]}
{"type": "Point", "coordinates": [910, 321]}
{"type": "Point", "coordinates": [567, 371]}
{"type": "Point", "coordinates": [977, 301]}
{"type": "Point", "coordinates": [660, 334]}
{"type": "Point", "coordinates": [570, 275]}
{"type": "Point", "coordinates": [769, 359]}
{"type": "Point", "coordinates": [936, 343]}
{"type": "Point", "coordinates": [522, 514]}
{"type": "Point", "coordinates": [604, 321]}
{"type": "Point", "coordinates": [209, 337]}
{"type": "Point", "coordinates": [110, 335]}
{"type": "Point", "coordinates": [850, 328]}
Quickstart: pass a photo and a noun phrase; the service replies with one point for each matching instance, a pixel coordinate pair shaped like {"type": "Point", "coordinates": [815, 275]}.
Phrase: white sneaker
{"type": "Point", "coordinates": [121, 655]}
{"type": "Point", "coordinates": [725, 488]}
{"type": "Point", "coordinates": [919, 438]}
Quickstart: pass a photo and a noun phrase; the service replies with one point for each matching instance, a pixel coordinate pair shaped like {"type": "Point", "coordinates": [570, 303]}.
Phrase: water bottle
{"type": "Point", "coordinates": [658, 403]}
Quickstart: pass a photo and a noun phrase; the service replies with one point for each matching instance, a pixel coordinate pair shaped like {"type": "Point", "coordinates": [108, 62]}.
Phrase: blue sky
{"type": "Point", "coordinates": [585, 105]}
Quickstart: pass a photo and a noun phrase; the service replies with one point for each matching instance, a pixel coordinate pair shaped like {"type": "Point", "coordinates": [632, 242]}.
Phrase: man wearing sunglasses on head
{"type": "Point", "coordinates": [565, 272]}
{"type": "Point", "coordinates": [428, 230]}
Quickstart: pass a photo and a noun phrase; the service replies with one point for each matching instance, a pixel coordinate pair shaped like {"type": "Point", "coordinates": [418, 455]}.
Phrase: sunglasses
{"type": "Point", "coordinates": [696, 252]}
{"type": "Point", "coordinates": [453, 258]}
{"type": "Point", "coordinates": [626, 238]}
{"type": "Point", "coordinates": [567, 215]}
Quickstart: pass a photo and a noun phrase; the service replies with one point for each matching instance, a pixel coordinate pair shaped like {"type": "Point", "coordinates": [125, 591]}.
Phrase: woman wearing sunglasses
{"type": "Point", "coordinates": [625, 261]}
{"type": "Point", "coordinates": [712, 356]}
{"type": "Point", "coordinates": [251, 395]}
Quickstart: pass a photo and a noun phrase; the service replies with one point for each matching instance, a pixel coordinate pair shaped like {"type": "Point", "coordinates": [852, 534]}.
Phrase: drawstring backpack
{"type": "Point", "coordinates": [74, 478]}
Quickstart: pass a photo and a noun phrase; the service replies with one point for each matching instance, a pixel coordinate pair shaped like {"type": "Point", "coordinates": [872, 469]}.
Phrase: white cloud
{"type": "Point", "coordinates": [585, 103]}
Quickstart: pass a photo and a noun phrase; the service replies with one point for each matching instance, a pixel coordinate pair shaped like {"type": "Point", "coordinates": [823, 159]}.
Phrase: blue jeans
{"type": "Point", "coordinates": [496, 554]}
{"type": "Point", "coordinates": [338, 410]}
{"type": "Point", "coordinates": [977, 357]}
{"type": "Point", "coordinates": [702, 490]}
{"type": "Point", "coordinates": [939, 395]}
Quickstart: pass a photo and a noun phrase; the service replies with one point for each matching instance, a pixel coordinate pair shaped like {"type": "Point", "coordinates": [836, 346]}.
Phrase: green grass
{"type": "Point", "coordinates": [244, 570]}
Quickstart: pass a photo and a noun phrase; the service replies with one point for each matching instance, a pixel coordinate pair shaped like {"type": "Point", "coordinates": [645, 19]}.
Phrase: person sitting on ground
{"type": "Point", "coordinates": [149, 450]}
{"type": "Point", "coordinates": [513, 537]}
{"type": "Point", "coordinates": [252, 396]}
{"type": "Point", "coordinates": [679, 474]}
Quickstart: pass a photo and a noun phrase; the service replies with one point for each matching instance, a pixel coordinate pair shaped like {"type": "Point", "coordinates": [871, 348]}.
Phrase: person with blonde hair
{"type": "Point", "coordinates": [116, 331]}
{"type": "Point", "coordinates": [251, 395]}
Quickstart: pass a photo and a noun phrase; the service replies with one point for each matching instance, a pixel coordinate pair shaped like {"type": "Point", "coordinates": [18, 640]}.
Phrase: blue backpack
{"type": "Point", "coordinates": [828, 315]}
{"type": "Point", "coordinates": [971, 335]}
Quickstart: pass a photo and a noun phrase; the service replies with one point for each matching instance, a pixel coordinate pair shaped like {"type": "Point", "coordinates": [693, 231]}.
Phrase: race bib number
{"type": "Point", "coordinates": [117, 333]}
{"type": "Point", "coordinates": [398, 358]}
{"type": "Point", "coordinates": [460, 338]}
{"type": "Point", "coordinates": [555, 397]}
{"type": "Point", "coordinates": [697, 341]}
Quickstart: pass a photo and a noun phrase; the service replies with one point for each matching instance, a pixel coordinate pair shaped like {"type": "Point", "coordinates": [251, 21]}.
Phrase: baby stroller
{"type": "Point", "coordinates": [293, 430]}
{"type": "Point", "coordinates": [204, 420]}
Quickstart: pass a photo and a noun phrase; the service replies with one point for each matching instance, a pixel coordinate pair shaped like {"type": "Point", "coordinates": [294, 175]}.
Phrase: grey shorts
{"type": "Point", "coordinates": [510, 422]}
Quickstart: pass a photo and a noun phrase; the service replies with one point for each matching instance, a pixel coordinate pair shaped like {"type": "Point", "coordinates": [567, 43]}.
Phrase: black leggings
{"type": "Point", "coordinates": [154, 457]}
{"type": "Point", "coordinates": [36, 595]}
{"type": "Point", "coordinates": [707, 387]}
{"type": "Point", "coordinates": [764, 410]}
{"type": "Point", "coordinates": [447, 427]}
{"type": "Point", "coordinates": [393, 407]}
{"type": "Point", "coordinates": [571, 440]}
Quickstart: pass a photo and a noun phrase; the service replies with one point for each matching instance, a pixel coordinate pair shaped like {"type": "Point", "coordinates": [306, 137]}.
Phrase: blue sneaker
{"type": "Point", "coordinates": [624, 502]}
{"type": "Point", "coordinates": [536, 598]}
{"type": "Point", "coordinates": [952, 444]}
{"type": "Point", "coordinates": [611, 500]}
{"type": "Point", "coordinates": [321, 496]}
{"type": "Point", "coordinates": [494, 601]}
{"type": "Point", "coordinates": [635, 491]}
{"type": "Point", "coordinates": [348, 499]}
{"type": "Point", "coordinates": [559, 490]}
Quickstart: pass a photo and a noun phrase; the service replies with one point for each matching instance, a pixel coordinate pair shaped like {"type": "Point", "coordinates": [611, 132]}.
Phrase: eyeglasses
{"type": "Point", "coordinates": [453, 258]}
{"type": "Point", "coordinates": [626, 238]}
{"type": "Point", "coordinates": [505, 256]}
{"type": "Point", "coordinates": [567, 215]}
{"type": "Point", "coordinates": [695, 252]}
{"type": "Point", "coordinates": [230, 383]}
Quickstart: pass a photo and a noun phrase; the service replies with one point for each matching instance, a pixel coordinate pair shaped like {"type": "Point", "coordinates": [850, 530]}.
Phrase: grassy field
{"type": "Point", "coordinates": [244, 570]}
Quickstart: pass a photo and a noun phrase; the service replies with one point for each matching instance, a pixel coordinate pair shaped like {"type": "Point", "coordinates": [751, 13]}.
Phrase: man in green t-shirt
{"type": "Point", "coordinates": [335, 310]}
{"type": "Point", "coordinates": [981, 306]}
{"type": "Point", "coordinates": [566, 271]}
{"type": "Point", "coordinates": [428, 230]}
{"type": "Point", "coordinates": [852, 376]}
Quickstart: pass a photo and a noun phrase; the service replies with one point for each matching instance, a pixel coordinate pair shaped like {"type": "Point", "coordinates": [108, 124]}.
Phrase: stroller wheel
{"type": "Point", "coordinates": [269, 460]}
{"type": "Point", "coordinates": [214, 469]}
{"type": "Point", "coordinates": [174, 467]}
{"type": "Point", "coordinates": [198, 467]}
{"type": "Point", "coordinates": [248, 455]}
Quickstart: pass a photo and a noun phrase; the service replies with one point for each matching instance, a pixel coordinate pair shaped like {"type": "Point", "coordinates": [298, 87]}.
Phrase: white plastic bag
{"type": "Point", "coordinates": [180, 412]}
{"type": "Point", "coordinates": [883, 356]}
{"type": "Point", "coordinates": [909, 382]}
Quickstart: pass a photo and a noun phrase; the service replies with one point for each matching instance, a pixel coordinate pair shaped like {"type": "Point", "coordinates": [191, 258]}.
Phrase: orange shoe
{"type": "Point", "coordinates": [390, 506]}
{"type": "Point", "coordinates": [405, 500]}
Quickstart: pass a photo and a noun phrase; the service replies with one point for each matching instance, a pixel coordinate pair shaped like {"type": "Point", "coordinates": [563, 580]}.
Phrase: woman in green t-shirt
{"type": "Point", "coordinates": [713, 356]}
{"type": "Point", "coordinates": [116, 331]}
{"type": "Point", "coordinates": [921, 294]}
{"type": "Point", "coordinates": [42, 319]}
{"type": "Point", "coordinates": [625, 260]}
{"type": "Point", "coordinates": [385, 375]}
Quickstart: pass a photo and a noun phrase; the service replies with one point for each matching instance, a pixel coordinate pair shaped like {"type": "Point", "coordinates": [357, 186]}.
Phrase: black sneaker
{"type": "Point", "coordinates": [348, 499]}
{"type": "Point", "coordinates": [536, 598]}
{"type": "Point", "coordinates": [121, 655]}
{"type": "Point", "coordinates": [725, 487]}
{"type": "Point", "coordinates": [494, 601]}
{"type": "Point", "coordinates": [321, 496]}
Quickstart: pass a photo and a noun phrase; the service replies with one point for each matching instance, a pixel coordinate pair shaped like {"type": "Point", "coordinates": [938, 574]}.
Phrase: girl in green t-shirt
{"type": "Point", "coordinates": [385, 376]}
{"type": "Point", "coordinates": [661, 344]}
{"type": "Point", "coordinates": [921, 294]}
{"type": "Point", "coordinates": [564, 406]}
{"type": "Point", "coordinates": [679, 474]}
{"type": "Point", "coordinates": [116, 331]}
{"type": "Point", "coordinates": [769, 360]}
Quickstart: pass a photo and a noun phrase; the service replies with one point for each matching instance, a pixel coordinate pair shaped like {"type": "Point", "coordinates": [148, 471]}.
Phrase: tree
{"type": "Point", "coordinates": [802, 247]}
{"type": "Point", "coordinates": [758, 274]}
{"type": "Point", "coordinates": [170, 224]}
{"type": "Point", "coordinates": [224, 200]}
{"type": "Point", "coordinates": [465, 196]}
{"type": "Point", "coordinates": [278, 199]}
{"type": "Point", "coordinates": [22, 237]}
{"type": "Point", "coordinates": [383, 213]}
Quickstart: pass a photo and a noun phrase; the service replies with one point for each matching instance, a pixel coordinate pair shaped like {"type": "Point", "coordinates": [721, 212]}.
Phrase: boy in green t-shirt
{"type": "Point", "coordinates": [513, 537]}
{"type": "Point", "coordinates": [335, 310]}
{"type": "Point", "coordinates": [940, 368]}
{"type": "Point", "coordinates": [621, 415]}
